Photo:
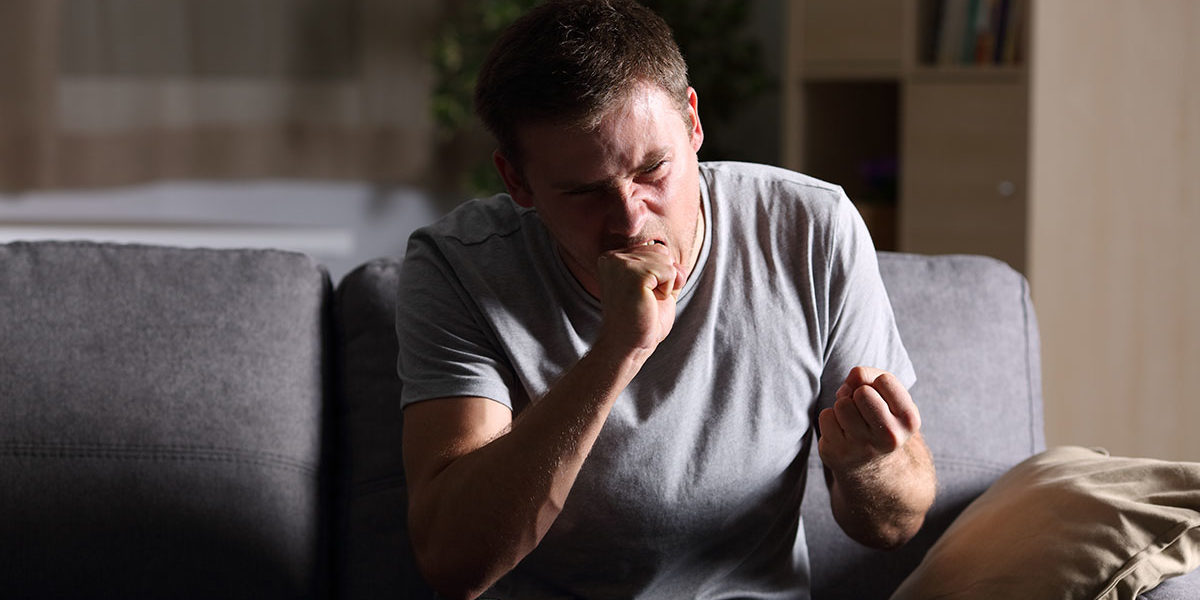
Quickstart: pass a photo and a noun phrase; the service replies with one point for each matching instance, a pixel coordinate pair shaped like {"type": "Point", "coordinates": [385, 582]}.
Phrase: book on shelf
{"type": "Point", "coordinates": [977, 32]}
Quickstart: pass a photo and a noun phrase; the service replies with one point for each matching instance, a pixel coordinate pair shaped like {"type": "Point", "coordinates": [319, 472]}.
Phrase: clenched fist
{"type": "Point", "coordinates": [872, 417]}
{"type": "Point", "coordinates": [638, 289]}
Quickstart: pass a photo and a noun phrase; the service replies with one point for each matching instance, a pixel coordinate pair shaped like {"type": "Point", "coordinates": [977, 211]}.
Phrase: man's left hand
{"type": "Point", "coordinates": [880, 473]}
{"type": "Point", "coordinates": [873, 416]}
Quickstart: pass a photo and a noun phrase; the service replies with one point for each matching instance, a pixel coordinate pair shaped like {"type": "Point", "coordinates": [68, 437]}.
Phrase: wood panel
{"type": "Point", "coordinates": [855, 35]}
{"type": "Point", "coordinates": [1114, 269]}
{"type": "Point", "coordinates": [964, 180]}
{"type": "Point", "coordinates": [1098, 138]}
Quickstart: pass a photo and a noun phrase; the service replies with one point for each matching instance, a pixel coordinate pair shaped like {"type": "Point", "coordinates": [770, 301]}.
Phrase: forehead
{"type": "Point", "coordinates": [645, 121]}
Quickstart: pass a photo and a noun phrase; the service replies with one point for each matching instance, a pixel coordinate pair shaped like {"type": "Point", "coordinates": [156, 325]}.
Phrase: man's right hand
{"type": "Point", "coordinates": [458, 450]}
{"type": "Point", "coordinates": [639, 287]}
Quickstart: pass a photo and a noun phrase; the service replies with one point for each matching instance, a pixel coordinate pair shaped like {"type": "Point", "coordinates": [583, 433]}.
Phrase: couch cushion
{"type": "Point", "coordinates": [376, 559]}
{"type": "Point", "coordinates": [160, 422]}
{"type": "Point", "coordinates": [969, 327]}
{"type": "Point", "coordinates": [1069, 523]}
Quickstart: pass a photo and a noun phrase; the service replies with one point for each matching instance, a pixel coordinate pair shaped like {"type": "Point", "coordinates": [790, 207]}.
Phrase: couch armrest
{"type": "Point", "coordinates": [161, 422]}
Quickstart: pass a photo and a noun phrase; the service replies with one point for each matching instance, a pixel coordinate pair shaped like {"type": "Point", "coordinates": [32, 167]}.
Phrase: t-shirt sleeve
{"type": "Point", "coordinates": [446, 348]}
{"type": "Point", "coordinates": [862, 326]}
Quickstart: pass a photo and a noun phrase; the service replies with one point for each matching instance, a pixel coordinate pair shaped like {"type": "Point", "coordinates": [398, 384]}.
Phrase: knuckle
{"type": "Point", "coordinates": [906, 412]}
{"type": "Point", "coordinates": [859, 373]}
{"type": "Point", "coordinates": [866, 396]}
{"type": "Point", "coordinates": [894, 440]}
{"type": "Point", "coordinates": [844, 406]}
{"type": "Point", "coordinates": [887, 379]}
{"type": "Point", "coordinates": [911, 419]}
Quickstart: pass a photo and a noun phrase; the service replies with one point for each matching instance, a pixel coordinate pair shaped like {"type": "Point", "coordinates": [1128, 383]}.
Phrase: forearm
{"type": "Point", "coordinates": [883, 503]}
{"type": "Point", "coordinates": [487, 509]}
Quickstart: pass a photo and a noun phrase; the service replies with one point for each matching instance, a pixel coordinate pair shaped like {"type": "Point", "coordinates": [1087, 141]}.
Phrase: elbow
{"type": "Point", "coordinates": [450, 569]}
{"type": "Point", "coordinates": [456, 563]}
{"type": "Point", "coordinates": [445, 573]}
{"type": "Point", "coordinates": [460, 556]}
{"type": "Point", "coordinates": [450, 590]}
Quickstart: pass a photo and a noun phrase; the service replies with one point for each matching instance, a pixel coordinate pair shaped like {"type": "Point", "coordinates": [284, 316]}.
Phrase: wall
{"type": "Point", "coordinates": [753, 135]}
{"type": "Point", "coordinates": [341, 224]}
{"type": "Point", "coordinates": [1114, 245]}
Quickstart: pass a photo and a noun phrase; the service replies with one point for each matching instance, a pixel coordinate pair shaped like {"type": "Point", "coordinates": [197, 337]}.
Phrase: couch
{"type": "Point", "coordinates": [191, 423]}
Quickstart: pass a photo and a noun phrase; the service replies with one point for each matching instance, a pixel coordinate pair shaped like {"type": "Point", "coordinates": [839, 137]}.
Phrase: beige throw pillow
{"type": "Point", "coordinates": [1068, 523]}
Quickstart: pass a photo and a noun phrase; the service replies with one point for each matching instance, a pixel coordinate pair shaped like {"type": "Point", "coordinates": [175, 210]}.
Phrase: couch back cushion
{"type": "Point", "coordinates": [375, 559]}
{"type": "Point", "coordinates": [161, 419]}
{"type": "Point", "coordinates": [969, 327]}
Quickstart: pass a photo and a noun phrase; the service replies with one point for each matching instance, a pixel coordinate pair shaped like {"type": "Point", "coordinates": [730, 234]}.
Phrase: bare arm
{"type": "Point", "coordinates": [879, 471]}
{"type": "Point", "coordinates": [483, 488]}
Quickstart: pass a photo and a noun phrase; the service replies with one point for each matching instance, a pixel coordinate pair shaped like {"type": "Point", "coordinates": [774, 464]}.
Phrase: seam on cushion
{"type": "Point", "coordinates": [172, 447]}
{"type": "Point", "coordinates": [155, 452]}
{"type": "Point", "coordinates": [379, 484]}
{"type": "Point", "coordinates": [1160, 544]}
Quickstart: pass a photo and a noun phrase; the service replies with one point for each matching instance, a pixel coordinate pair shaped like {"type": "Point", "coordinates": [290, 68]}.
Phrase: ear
{"type": "Point", "coordinates": [513, 180]}
{"type": "Point", "coordinates": [697, 132]}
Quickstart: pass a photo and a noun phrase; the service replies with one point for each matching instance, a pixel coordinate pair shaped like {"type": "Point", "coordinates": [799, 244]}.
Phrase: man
{"type": "Point", "coordinates": [610, 373]}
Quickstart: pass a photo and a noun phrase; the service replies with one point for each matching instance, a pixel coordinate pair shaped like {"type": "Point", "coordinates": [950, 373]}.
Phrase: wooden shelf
{"type": "Point", "coordinates": [863, 91]}
{"type": "Point", "coordinates": [850, 71]}
{"type": "Point", "coordinates": [968, 74]}
{"type": "Point", "coordinates": [1076, 165]}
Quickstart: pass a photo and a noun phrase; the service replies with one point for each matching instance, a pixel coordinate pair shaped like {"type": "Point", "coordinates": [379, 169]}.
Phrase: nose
{"type": "Point", "coordinates": [627, 210]}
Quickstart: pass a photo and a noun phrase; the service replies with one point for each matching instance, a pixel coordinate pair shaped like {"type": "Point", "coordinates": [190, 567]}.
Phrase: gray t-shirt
{"type": "Point", "coordinates": [693, 488]}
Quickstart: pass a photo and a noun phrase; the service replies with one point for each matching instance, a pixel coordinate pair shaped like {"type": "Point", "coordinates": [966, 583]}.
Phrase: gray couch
{"type": "Point", "coordinates": [223, 424]}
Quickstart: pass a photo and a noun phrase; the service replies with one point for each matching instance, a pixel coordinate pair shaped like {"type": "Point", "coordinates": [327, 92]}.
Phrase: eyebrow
{"type": "Point", "coordinates": [650, 161]}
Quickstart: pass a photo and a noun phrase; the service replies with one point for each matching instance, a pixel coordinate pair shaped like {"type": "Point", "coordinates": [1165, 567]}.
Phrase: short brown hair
{"type": "Point", "coordinates": [569, 61]}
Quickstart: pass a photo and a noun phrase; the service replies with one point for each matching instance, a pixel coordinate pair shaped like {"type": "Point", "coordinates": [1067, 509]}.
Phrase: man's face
{"type": "Point", "coordinates": [633, 179]}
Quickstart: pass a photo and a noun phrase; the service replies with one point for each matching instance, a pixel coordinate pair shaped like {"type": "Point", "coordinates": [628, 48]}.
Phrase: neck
{"type": "Point", "coordinates": [697, 239]}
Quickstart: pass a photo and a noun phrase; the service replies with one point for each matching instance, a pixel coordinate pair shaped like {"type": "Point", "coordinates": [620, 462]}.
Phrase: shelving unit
{"type": "Point", "coordinates": [1077, 166]}
{"type": "Point", "coordinates": [865, 92]}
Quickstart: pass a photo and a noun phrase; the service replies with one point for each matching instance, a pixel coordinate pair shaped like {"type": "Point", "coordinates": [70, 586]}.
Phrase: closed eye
{"type": "Point", "coordinates": [585, 190]}
{"type": "Point", "coordinates": [655, 169]}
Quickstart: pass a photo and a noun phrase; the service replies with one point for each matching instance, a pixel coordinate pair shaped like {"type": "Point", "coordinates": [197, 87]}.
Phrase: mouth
{"type": "Point", "coordinates": [615, 241]}
{"type": "Point", "coordinates": [627, 243]}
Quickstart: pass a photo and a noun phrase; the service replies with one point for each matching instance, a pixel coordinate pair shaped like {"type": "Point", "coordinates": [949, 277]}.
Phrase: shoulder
{"type": "Point", "coordinates": [740, 187]}
{"type": "Point", "coordinates": [482, 242]}
{"type": "Point", "coordinates": [748, 177]}
{"type": "Point", "coordinates": [778, 199]}
{"type": "Point", "coordinates": [477, 221]}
